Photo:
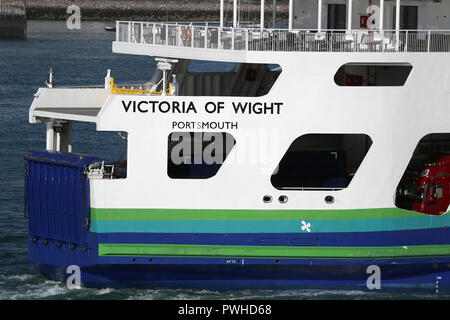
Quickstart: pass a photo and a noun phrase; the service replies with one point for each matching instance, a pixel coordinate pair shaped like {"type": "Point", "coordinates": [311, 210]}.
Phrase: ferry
{"type": "Point", "coordinates": [320, 160]}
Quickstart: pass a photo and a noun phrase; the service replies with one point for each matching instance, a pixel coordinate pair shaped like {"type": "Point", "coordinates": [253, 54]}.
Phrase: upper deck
{"type": "Point", "coordinates": [313, 26]}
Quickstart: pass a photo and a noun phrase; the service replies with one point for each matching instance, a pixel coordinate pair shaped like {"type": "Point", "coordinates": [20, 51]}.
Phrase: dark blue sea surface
{"type": "Point", "coordinates": [80, 58]}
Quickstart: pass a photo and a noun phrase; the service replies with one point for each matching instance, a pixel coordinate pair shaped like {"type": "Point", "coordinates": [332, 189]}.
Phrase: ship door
{"type": "Point", "coordinates": [337, 16]}
{"type": "Point", "coordinates": [408, 17]}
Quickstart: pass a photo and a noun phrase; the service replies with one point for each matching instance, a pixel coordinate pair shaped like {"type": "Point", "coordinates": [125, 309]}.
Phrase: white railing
{"type": "Point", "coordinates": [11, 10]}
{"type": "Point", "coordinates": [256, 39]}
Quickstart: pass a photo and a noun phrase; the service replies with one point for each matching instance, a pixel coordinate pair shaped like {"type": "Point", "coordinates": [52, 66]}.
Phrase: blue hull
{"type": "Point", "coordinates": [61, 234]}
{"type": "Point", "coordinates": [411, 276]}
{"type": "Point", "coordinates": [417, 274]}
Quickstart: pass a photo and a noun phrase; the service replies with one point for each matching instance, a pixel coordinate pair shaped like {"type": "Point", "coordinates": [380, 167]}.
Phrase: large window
{"type": "Point", "coordinates": [372, 74]}
{"type": "Point", "coordinates": [337, 16]}
{"type": "Point", "coordinates": [425, 184]}
{"type": "Point", "coordinates": [408, 17]}
{"type": "Point", "coordinates": [113, 154]}
{"type": "Point", "coordinates": [321, 162]}
{"type": "Point", "coordinates": [197, 155]}
{"type": "Point", "coordinates": [219, 79]}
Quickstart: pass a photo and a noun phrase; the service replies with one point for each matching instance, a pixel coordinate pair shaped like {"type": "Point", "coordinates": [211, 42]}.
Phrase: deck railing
{"type": "Point", "coordinates": [256, 39]}
{"type": "Point", "coordinates": [133, 90]}
{"type": "Point", "coordinates": [12, 8]}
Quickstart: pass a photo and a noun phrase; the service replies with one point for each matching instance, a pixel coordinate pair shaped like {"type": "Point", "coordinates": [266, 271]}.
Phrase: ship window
{"type": "Point", "coordinates": [113, 152]}
{"type": "Point", "coordinates": [321, 162]}
{"type": "Point", "coordinates": [372, 74]}
{"type": "Point", "coordinates": [197, 155]}
{"type": "Point", "coordinates": [203, 78]}
{"type": "Point", "coordinates": [425, 184]}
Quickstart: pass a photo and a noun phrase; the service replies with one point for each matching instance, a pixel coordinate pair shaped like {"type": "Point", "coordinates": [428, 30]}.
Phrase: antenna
{"type": "Point", "coordinates": [49, 82]}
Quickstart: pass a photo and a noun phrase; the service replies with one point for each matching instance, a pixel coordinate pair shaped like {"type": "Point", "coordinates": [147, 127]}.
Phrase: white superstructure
{"type": "Point", "coordinates": [393, 110]}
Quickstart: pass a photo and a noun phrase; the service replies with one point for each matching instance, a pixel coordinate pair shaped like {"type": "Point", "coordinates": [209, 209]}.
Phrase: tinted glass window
{"type": "Point", "coordinates": [372, 75]}
{"type": "Point", "coordinates": [321, 161]}
{"type": "Point", "coordinates": [197, 155]}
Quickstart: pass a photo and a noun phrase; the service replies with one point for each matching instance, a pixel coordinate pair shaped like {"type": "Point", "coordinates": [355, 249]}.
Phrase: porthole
{"type": "Point", "coordinates": [329, 199]}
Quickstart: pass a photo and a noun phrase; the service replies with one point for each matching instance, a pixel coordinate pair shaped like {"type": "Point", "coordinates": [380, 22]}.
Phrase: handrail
{"type": "Point", "coordinates": [265, 39]}
{"type": "Point", "coordinates": [116, 90]}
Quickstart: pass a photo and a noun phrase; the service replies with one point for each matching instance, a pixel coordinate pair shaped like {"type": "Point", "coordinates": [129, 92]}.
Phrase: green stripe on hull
{"type": "Point", "coordinates": [173, 250]}
{"type": "Point", "coordinates": [212, 214]}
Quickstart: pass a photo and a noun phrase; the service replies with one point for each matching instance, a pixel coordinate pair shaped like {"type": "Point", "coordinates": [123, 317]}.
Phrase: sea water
{"type": "Point", "coordinates": [81, 58]}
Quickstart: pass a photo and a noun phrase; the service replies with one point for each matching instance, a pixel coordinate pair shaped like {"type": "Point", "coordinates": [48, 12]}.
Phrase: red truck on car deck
{"type": "Point", "coordinates": [426, 188]}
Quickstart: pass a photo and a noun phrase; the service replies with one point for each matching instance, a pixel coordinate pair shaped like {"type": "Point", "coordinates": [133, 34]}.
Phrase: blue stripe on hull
{"type": "Point", "coordinates": [268, 226]}
{"type": "Point", "coordinates": [362, 239]}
